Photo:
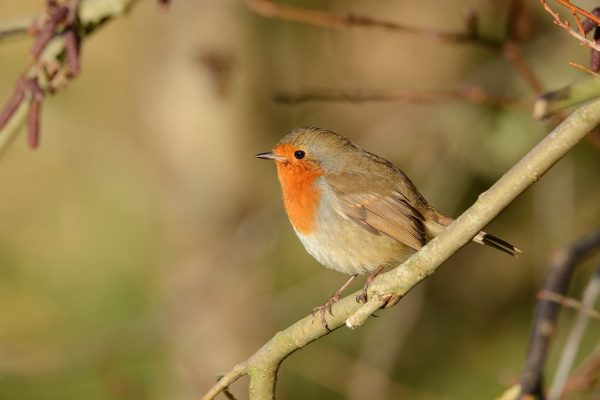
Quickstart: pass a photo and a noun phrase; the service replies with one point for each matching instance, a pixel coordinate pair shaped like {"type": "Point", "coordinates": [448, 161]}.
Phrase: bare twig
{"type": "Point", "coordinates": [12, 31]}
{"type": "Point", "coordinates": [518, 24]}
{"type": "Point", "coordinates": [567, 27]}
{"type": "Point", "coordinates": [56, 16]}
{"type": "Point", "coordinates": [586, 311]}
{"type": "Point", "coordinates": [569, 302]}
{"type": "Point", "coordinates": [561, 268]}
{"type": "Point", "coordinates": [512, 53]}
{"type": "Point", "coordinates": [471, 94]}
{"type": "Point", "coordinates": [33, 117]}
{"type": "Point", "coordinates": [262, 366]}
{"type": "Point", "coordinates": [583, 68]}
{"type": "Point", "coordinates": [576, 10]}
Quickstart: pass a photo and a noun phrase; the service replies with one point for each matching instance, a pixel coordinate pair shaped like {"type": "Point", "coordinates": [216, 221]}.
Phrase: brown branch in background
{"type": "Point", "coordinates": [568, 302]}
{"type": "Point", "coordinates": [512, 53]}
{"type": "Point", "coordinates": [567, 27]}
{"type": "Point", "coordinates": [562, 265]}
{"type": "Point", "coordinates": [583, 68]}
{"type": "Point", "coordinates": [325, 19]}
{"type": "Point", "coordinates": [33, 116]}
{"type": "Point", "coordinates": [576, 10]}
{"type": "Point", "coordinates": [579, 24]}
{"type": "Point", "coordinates": [472, 94]}
{"type": "Point", "coordinates": [519, 21]}
{"type": "Point", "coordinates": [587, 26]}
{"type": "Point", "coordinates": [72, 52]}
{"type": "Point", "coordinates": [13, 31]}
{"type": "Point", "coordinates": [56, 15]}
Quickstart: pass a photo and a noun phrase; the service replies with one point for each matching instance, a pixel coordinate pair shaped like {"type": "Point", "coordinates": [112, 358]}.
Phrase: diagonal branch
{"type": "Point", "coordinates": [578, 10]}
{"type": "Point", "coordinates": [388, 288]}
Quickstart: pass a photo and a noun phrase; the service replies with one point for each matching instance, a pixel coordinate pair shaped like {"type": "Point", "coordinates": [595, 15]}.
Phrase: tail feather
{"type": "Point", "coordinates": [440, 221]}
{"type": "Point", "coordinates": [497, 243]}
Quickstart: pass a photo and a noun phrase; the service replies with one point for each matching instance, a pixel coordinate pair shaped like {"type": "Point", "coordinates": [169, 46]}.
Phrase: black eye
{"type": "Point", "coordinates": [299, 154]}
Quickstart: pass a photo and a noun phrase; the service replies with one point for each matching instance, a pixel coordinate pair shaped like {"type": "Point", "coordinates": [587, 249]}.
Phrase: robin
{"type": "Point", "coordinates": [352, 210]}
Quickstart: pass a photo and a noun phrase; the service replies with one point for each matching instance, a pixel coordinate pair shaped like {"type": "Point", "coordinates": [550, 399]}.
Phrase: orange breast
{"type": "Point", "coordinates": [300, 196]}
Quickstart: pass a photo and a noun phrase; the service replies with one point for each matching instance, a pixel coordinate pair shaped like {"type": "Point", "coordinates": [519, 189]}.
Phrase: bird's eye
{"type": "Point", "coordinates": [299, 154]}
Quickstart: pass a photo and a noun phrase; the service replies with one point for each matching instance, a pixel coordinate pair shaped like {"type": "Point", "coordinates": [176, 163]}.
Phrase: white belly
{"type": "Point", "coordinates": [344, 246]}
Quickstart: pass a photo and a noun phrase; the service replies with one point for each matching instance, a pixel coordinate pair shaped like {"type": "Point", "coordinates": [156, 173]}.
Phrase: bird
{"type": "Point", "coordinates": [354, 211]}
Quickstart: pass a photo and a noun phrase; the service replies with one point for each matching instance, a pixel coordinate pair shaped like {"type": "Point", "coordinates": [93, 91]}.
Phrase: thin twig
{"type": "Point", "coordinates": [586, 311]}
{"type": "Point", "coordinates": [518, 24]}
{"type": "Point", "coordinates": [6, 33]}
{"type": "Point", "coordinates": [567, 27]}
{"type": "Point", "coordinates": [471, 94]}
{"type": "Point", "coordinates": [561, 269]}
{"type": "Point", "coordinates": [512, 53]}
{"type": "Point", "coordinates": [569, 302]}
{"type": "Point", "coordinates": [583, 68]}
{"type": "Point", "coordinates": [576, 10]}
{"type": "Point", "coordinates": [33, 116]}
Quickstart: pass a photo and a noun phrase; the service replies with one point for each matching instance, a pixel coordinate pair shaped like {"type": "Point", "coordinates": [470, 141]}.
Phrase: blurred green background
{"type": "Point", "coordinates": [143, 249]}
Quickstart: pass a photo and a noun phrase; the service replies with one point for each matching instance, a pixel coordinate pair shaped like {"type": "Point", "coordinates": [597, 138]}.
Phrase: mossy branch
{"type": "Point", "coordinates": [388, 288]}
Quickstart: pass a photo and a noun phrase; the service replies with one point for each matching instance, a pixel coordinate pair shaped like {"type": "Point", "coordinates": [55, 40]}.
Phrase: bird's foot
{"type": "Point", "coordinates": [322, 310]}
{"type": "Point", "coordinates": [363, 296]}
{"type": "Point", "coordinates": [325, 308]}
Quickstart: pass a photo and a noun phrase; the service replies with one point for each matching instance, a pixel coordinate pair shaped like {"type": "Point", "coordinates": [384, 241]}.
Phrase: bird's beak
{"type": "Point", "coordinates": [269, 155]}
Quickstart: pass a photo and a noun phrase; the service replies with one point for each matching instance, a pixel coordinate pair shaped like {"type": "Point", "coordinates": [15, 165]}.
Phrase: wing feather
{"type": "Point", "coordinates": [383, 210]}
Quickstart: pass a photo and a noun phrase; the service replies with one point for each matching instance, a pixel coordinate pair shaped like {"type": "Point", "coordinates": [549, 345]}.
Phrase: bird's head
{"type": "Point", "coordinates": [309, 149]}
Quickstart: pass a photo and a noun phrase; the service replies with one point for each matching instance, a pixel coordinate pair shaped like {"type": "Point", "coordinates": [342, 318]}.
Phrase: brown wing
{"type": "Point", "coordinates": [382, 210]}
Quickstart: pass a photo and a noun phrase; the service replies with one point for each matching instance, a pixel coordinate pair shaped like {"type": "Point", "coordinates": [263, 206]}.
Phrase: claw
{"type": "Point", "coordinates": [363, 296]}
{"type": "Point", "coordinates": [322, 310]}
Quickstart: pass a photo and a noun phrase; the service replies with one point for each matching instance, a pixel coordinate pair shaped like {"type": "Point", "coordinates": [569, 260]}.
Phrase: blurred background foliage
{"type": "Point", "coordinates": [143, 249]}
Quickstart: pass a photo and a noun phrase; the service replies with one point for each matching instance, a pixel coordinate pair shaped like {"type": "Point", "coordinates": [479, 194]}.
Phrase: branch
{"type": "Point", "coordinates": [561, 269]}
{"type": "Point", "coordinates": [263, 365]}
{"type": "Point", "coordinates": [567, 27]}
{"type": "Point", "coordinates": [13, 30]}
{"type": "Point", "coordinates": [553, 102]}
{"type": "Point", "coordinates": [576, 10]}
{"type": "Point", "coordinates": [325, 19]}
{"type": "Point", "coordinates": [471, 94]}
